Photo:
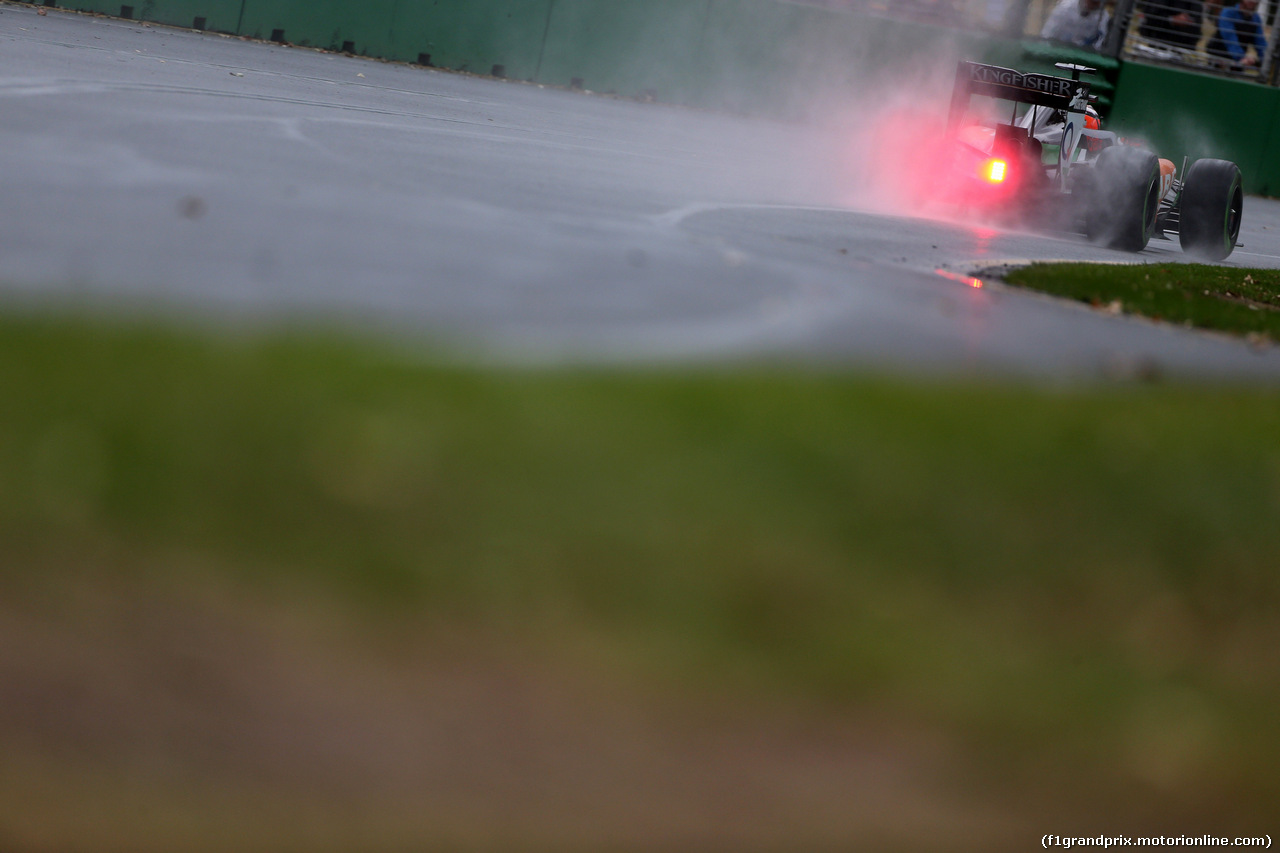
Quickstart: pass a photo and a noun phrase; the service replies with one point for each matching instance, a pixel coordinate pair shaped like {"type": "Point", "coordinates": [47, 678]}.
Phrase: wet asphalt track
{"type": "Point", "coordinates": [143, 165]}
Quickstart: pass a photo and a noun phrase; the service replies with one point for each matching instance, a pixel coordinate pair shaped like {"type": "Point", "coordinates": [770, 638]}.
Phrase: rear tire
{"type": "Point", "coordinates": [1212, 203]}
{"type": "Point", "coordinates": [1125, 198]}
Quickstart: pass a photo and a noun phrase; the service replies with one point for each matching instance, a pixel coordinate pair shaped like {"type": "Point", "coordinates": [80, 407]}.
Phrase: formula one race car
{"type": "Point", "coordinates": [1048, 162]}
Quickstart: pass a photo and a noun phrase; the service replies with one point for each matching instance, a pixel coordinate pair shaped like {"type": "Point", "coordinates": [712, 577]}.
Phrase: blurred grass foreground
{"type": "Point", "coordinates": [297, 592]}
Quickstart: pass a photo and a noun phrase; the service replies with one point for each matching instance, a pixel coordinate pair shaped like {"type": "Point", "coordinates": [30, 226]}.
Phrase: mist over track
{"type": "Point", "coordinates": [143, 165]}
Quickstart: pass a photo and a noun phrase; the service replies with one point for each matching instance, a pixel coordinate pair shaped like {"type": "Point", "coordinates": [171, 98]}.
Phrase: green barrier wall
{"type": "Point", "coordinates": [217, 15]}
{"type": "Point", "coordinates": [762, 56]}
{"type": "Point", "coordinates": [327, 24]}
{"type": "Point", "coordinates": [474, 35]}
{"type": "Point", "coordinates": [631, 47]}
{"type": "Point", "coordinates": [757, 54]}
{"type": "Point", "coordinates": [1195, 115]}
{"type": "Point", "coordinates": [765, 56]}
{"type": "Point", "coordinates": [744, 55]}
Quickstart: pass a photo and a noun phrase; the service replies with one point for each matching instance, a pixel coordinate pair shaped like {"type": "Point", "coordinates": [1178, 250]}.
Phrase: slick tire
{"type": "Point", "coordinates": [1125, 198]}
{"type": "Point", "coordinates": [1212, 203]}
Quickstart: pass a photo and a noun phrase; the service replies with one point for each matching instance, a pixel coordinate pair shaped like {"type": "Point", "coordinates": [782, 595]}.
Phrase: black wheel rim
{"type": "Point", "coordinates": [1234, 210]}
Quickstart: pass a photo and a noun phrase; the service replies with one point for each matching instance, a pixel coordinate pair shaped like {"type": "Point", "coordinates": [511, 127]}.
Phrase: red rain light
{"type": "Point", "coordinates": [995, 171]}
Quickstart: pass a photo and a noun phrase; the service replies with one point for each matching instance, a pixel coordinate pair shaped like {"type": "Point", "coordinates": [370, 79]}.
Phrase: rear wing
{"type": "Point", "coordinates": [1042, 90]}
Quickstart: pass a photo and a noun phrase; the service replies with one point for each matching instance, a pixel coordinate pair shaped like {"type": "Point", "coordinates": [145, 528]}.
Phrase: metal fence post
{"type": "Point", "coordinates": [1114, 42]}
{"type": "Point", "coordinates": [1267, 69]}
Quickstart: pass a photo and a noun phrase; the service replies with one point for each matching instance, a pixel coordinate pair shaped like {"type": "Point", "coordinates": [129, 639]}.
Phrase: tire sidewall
{"type": "Point", "coordinates": [1211, 209]}
{"type": "Point", "coordinates": [1124, 198]}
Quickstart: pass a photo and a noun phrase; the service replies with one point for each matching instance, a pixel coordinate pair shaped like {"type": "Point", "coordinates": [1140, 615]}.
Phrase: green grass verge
{"type": "Point", "coordinates": [1070, 578]}
{"type": "Point", "coordinates": [1225, 299]}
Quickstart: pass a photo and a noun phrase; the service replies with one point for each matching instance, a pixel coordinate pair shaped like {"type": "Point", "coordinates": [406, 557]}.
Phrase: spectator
{"type": "Point", "coordinates": [1239, 27]}
{"type": "Point", "coordinates": [1079, 22]}
{"type": "Point", "coordinates": [1174, 22]}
